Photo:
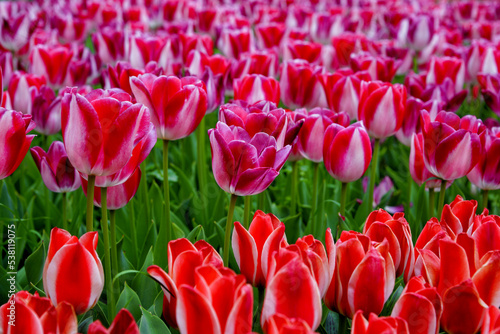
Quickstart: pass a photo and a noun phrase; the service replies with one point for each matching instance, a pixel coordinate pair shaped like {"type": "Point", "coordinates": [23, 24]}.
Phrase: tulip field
{"type": "Point", "coordinates": [250, 166]}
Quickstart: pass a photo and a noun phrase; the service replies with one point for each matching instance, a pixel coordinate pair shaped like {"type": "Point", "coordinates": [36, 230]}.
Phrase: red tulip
{"type": "Point", "coordinates": [101, 130]}
{"type": "Point", "coordinates": [420, 173]}
{"type": "Point", "coordinates": [269, 34]}
{"type": "Point", "coordinates": [119, 75]}
{"type": "Point", "coordinates": [382, 108]}
{"type": "Point", "coordinates": [245, 165]}
{"type": "Point", "coordinates": [23, 88]}
{"type": "Point", "coordinates": [26, 313]}
{"type": "Point", "coordinates": [73, 271]}
{"type": "Point", "coordinates": [221, 302]}
{"type": "Point", "coordinates": [441, 68]}
{"type": "Point", "coordinates": [299, 49]}
{"type": "Point", "coordinates": [491, 322]}
{"type": "Point", "coordinates": [347, 151]}
{"type": "Point", "coordinates": [374, 324]}
{"type": "Point", "coordinates": [486, 233]}
{"type": "Point", "coordinates": [14, 141]}
{"type": "Point", "coordinates": [380, 226]}
{"type": "Point", "coordinates": [280, 324]}
{"type": "Point", "coordinates": [234, 42]}
{"type": "Point", "coordinates": [258, 62]}
{"type": "Point", "coordinates": [446, 144]}
{"type": "Point", "coordinates": [109, 44]}
{"type": "Point", "coordinates": [123, 323]}
{"type": "Point", "coordinates": [177, 105]}
{"type": "Point", "coordinates": [294, 298]}
{"type": "Point", "coordinates": [364, 275]}
{"type": "Point", "coordinates": [146, 48]}
{"type": "Point", "coordinates": [57, 172]}
{"type": "Point", "coordinates": [300, 85]}
{"type": "Point", "coordinates": [253, 248]}
{"type": "Point", "coordinates": [345, 45]}
{"type": "Point", "coordinates": [378, 67]}
{"type": "Point", "coordinates": [51, 62]}
{"type": "Point", "coordinates": [458, 216]}
{"type": "Point", "coordinates": [421, 306]}
{"type": "Point", "coordinates": [200, 42]}
{"type": "Point", "coordinates": [255, 87]}
{"type": "Point", "coordinates": [312, 134]}
{"type": "Point", "coordinates": [183, 259]}
{"type": "Point", "coordinates": [117, 195]}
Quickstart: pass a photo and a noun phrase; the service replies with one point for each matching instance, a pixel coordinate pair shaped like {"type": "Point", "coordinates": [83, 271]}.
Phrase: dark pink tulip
{"type": "Point", "coordinates": [257, 62]}
{"type": "Point", "coordinates": [486, 174]}
{"type": "Point", "coordinates": [374, 324]}
{"type": "Point", "coordinates": [253, 248]}
{"type": "Point", "coordinates": [347, 151]}
{"type": "Point", "coordinates": [420, 30]}
{"type": "Point", "coordinates": [101, 130]}
{"type": "Point", "coordinates": [70, 28]}
{"type": "Point", "coordinates": [297, 49]}
{"type": "Point", "coordinates": [450, 152]}
{"type": "Point", "coordinates": [109, 44]}
{"type": "Point", "coordinates": [23, 88]}
{"type": "Point", "coordinates": [269, 34]}
{"type": "Point", "coordinates": [311, 135]}
{"type": "Point", "coordinates": [324, 25]}
{"type": "Point", "coordinates": [46, 111]}
{"type": "Point", "coordinates": [165, 50]}
{"type": "Point", "coordinates": [234, 42]}
{"type": "Point", "coordinates": [177, 105]}
{"type": "Point", "coordinates": [119, 75]}
{"type": "Point", "coordinates": [15, 31]}
{"type": "Point", "coordinates": [419, 173]}
{"type": "Point", "coordinates": [345, 45]}
{"type": "Point", "coordinates": [295, 118]}
{"type": "Point", "coordinates": [300, 84]}
{"type": "Point", "coordinates": [245, 165]}
{"type": "Point", "coordinates": [7, 66]}
{"type": "Point", "coordinates": [199, 42]}
{"type": "Point", "coordinates": [57, 172]}
{"type": "Point", "coordinates": [255, 87]}
{"type": "Point", "coordinates": [342, 90]}
{"type": "Point", "coordinates": [490, 89]}
{"type": "Point", "coordinates": [382, 108]}
{"type": "Point", "coordinates": [14, 141]}
{"type": "Point", "coordinates": [51, 62]}
{"type": "Point", "coordinates": [294, 298]}
{"type": "Point", "coordinates": [446, 67]}
{"type": "Point", "coordinates": [411, 121]}
{"type": "Point", "coordinates": [378, 67]}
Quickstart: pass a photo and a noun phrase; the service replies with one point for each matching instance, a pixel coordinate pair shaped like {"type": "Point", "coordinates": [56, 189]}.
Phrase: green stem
{"type": "Point", "coordinates": [373, 170]}
{"type": "Point", "coordinates": [229, 225]}
{"type": "Point", "coordinates": [408, 194]}
{"type": "Point", "coordinates": [90, 203]}
{"type": "Point", "coordinates": [144, 191]}
{"type": "Point", "coordinates": [441, 197]}
{"type": "Point", "coordinates": [314, 199]}
{"type": "Point", "coordinates": [48, 219]}
{"type": "Point", "coordinates": [107, 257]}
{"type": "Point", "coordinates": [343, 324]}
{"type": "Point", "coordinates": [64, 214]}
{"type": "Point", "coordinates": [485, 199]}
{"type": "Point", "coordinates": [246, 216]}
{"type": "Point", "coordinates": [295, 181]}
{"type": "Point", "coordinates": [261, 200]}
{"type": "Point", "coordinates": [202, 166]}
{"type": "Point", "coordinates": [343, 200]}
{"type": "Point", "coordinates": [114, 252]}
{"type": "Point", "coordinates": [166, 194]}
{"type": "Point", "coordinates": [432, 201]}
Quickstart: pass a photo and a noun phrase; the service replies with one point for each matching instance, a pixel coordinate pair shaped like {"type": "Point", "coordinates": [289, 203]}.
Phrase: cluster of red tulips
{"type": "Point", "coordinates": [109, 86]}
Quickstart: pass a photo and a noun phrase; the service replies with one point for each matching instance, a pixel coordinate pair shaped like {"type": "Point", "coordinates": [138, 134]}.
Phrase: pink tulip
{"type": "Point", "coordinates": [23, 88]}
{"type": "Point", "coordinates": [446, 67]}
{"type": "Point", "coordinates": [15, 31]}
{"type": "Point", "coordinates": [245, 165]}
{"type": "Point", "coordinates": [199, 42]}
{"type": "Point", "coordinates": [411, 121]}
{"type": "Point", "coordinates": [164, 50]}
{"type": "Point", "coordinates": [109, 44]}
{"type": "Point", "coordinates": [418, 171]}
{"type": "Point", "coordinates": [51, 62]}
{"type": "Point", "coordinates": [344, 46]}
{"type": "Point", "coordinates": [234, 42]}
{"type": "Point", "coordinates": [297, 49]}
{"type": "Point", "coordinates": [490, 89]}
{"type": "Point", "coordinates": [119, 75]}
{"type": "Point", "coordinates": [46, 111]}
{"type": "Point", "coordinates": [294, 119]}
{"type": "Point", "coordinates": [347, 151]}
{"type": "Point", "coordinates": [269, 34]}
{"type": "Point", "coordinates": [254, 88]}
{"type": "Point", "coordinates": [177, 105]}
{"type": "Point", "coordinates": [420, 31]}
{"type": "Point", "coordinates": [378, 67]}
{"type": "Point", "coordinates": [14, 141]}
{"type": "Point", "coordinates": [486, 174]}
{"type": "Point", "coordinates": [258, 62]}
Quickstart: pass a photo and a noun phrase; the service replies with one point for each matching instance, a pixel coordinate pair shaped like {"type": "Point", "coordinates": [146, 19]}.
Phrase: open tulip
{"type": "Point", "coordinates": [123, 323]}
{"type": "Point", "coordinates": [253, 88]}
{"type": "Point", "coordinates": [73, 271]}
{"type": "Point", "coordinates": [14, 141]}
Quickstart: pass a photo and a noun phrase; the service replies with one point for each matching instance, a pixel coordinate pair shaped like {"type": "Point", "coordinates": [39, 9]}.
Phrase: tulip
{"type": "Point", "coordinates": [258, 62]}
{"type": "Point", "coordinates": [221, 302]}
{"type": "Point", "coordinates": [264, 236]}
{"type": "Point", "coordinates": [234, 42]}
{"type": "Point", "coordinates": [109, 44]}
{"type": "Point", "coordinates": [485, 231]}
{"type": "Point", "coordinates": [15, 31]}
{"type": "Point", "coordinates": [123, 323]}
{"type": "Point", "coordinates": [51, 62]}
{"type": "Point", "coordinates": [300, 85]}
{"type": "Point", "coordinates": [73, 271]}
{"type": "Point", "coordinates": [411, 121]}
{"type": "Point", "coordinates": [490, 89]}
{"type": "Point", "coordinates": [345, 45]}
{"type": "Point", "coordinates": [14, 141]}
{"type": "Point", "coordinates": [26, 313]}
{"type": "Point", "coordinates": [294, 298]}
{"type": "Point", "coordinates": [254, 88]}
{"type": "Point", "coordinates": [420, 30]}
{"type": "Point", "coordinates": [119, 75]}
{"type": "Point", "coordinates": [23, 88]}
{"type": "Point", "coordinates": [458, 216]}
{"type": "Point", "coordinates": [446, 67]}
{"type": "Point", "coordinates": [183, 259]}
{"type": "Point", "coordinates": [364, 276]}
{"type": "Point", "coordinates": [280, 324]}
{"type": "Point", "coordinates": [374, 324]}
{"type": "Point", "coordinates": [269, 34]}
{"type": "Point", "coordinates": [146, 48]}
{"type": "Point", "coordinates": [46, 111]}
{"type": "Point", "coordinates": [491, 322]}
{"type": "Point", "coordinates": [297, 49]}
{"type": "Point", "coordinates": [420, 305]}
{"type": "Point", "coordinates": [380, 226]}
{"type": "Point", "coordinates": [378, 67]}
{"type": "Point", "coordinates": [199, 42]}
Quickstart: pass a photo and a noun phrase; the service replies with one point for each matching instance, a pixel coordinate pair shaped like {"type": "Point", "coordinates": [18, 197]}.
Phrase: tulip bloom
{"type": "Point", "coordinates": [35, 314]}
{"type": "Point", "coordinates": [486, 174]}
{"type": "Point", "coordinates": [118, 76]}
{"type": "Point", "coordinates": [123, 323]}
{"type": "Point", "coordinates": [234, 42]}
{"type": "Point", "coordinates": [177, 105]}
{"type": "Point", "coordinates": [490, 89]}
{"type": "Point", "coordinates": [51, 63]}
{"type": "Point", "coordinates": [382, 108]}
{"type": "Point", "coordinates": [255, 87]}
{"type": "Point", "coordinates": [374, 324]}
{"type": "Point", "coordinates": [183, 259]}
{"type": "Point", "coordinates": [420, 173]}
{"type": "Point", "coordinates": [243, 165]}
{"type": "Point", "coordinates": [264, 236]}
{"type": "Point", "coordinates": [419, 31]}
{"type": "Point", "coordinates": [221, 302]}
{"type": "Point", "coordinates": [378, 67]}
{"type": "Point", "coordinates": [23, 88]}
{"type": "Point", "coordinates": [46, 111]}
{"type": "Point", "coordinates": [57, 172]}
{"type": "Point", "coordinates": [280, 324]}
{"type": "Point", "coordinates": [347, 151]}
{"type": "Point", "coordinates": [14, 141]}
{"type": "Point", "coordinates": [441, 68]}
{"type": "Point", "coordinates": [73, 271]}
{"type": "Point", "coordinates": [491, 322]}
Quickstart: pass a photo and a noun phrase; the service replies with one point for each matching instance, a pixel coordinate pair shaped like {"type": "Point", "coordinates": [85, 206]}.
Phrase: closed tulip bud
{"type": "Point", "coordinates": [378, 67]}
{"type": "Point", "coordinates": [109, 44]}
{"type": "Point", "coordinates": [73, 271]}
{"type": "Point", "coordinates": [123, 323]}
{"type": "Point", "coordinates": [101, 130]}
{"type": "Point", "coordinates": [253, 248]}
{"type": "Point", "coordinates": [14, 141]}
{"type": "Point", "coordinates": [441, 68]}
{"type": "Point", "coordinates": [297, 49]}
{"type": "Point", "coordinates": [295, 118]}
{"type": "Point", "coordinates": [347, 151]}
{"type": "Point", "coordinates": [411, 121]}
{"type": "Point", "coordinates": [177, 105]}
{"type": "Point", "coordinates": [245, 165]}
{"type": "Point", "coordinates": [51, 62]}
{"type": "Point", "coordinates": [280, 324]}
{"type": "Point", "coordinates": [374, 324]}
{"type": "Point", "coordinates": [119, 75]}
{"type": "Point", "coordinates": [57, 172]}
{"type": "Point", "coordinates": [26, 313]}
{"type": "Point", "coordinates": [46, 111]}
{"type": "Point", "coordinates": [234, 42]}
{"type": "Point", "coordinates": [419, 173]}
{"type": "Point", "coordinates": [420, 30]}
{"type": "Point", "coordinates": [15, 30]}
{"type": "Point", "coordinates": [253, 88]}
{"type": "Point", "coordinates": [382, 108]}
{"type": "Point", "coordinates": [269, 34]}
{"type": "Point", "coordinates": [23, 88]}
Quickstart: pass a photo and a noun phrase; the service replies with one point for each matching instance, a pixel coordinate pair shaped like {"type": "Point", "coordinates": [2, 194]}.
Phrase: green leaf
{"type": "Point", "coordinates": [151, 324]}
{"type": "Point", "coordinates": [34, 264]}
{"type": "Point", "coordinates": [129, 300]}
{"type": "Point", "coordinates": [196, 234]}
